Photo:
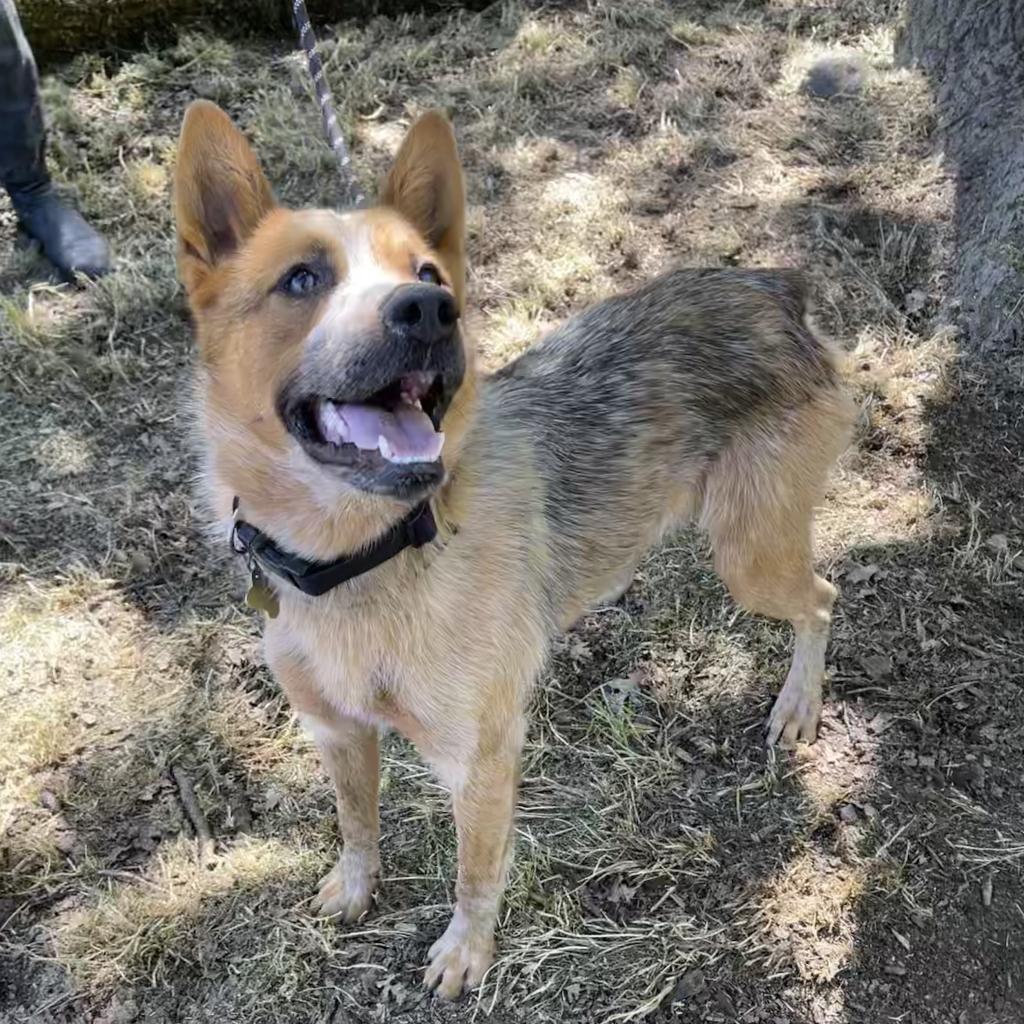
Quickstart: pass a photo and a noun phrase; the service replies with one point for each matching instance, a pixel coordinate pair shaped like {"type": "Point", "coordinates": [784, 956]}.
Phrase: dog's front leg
{"type": "Point", "coordinates": [349, 750]}
{"type": "Point", "coordinates": [350, 754]}
{"type": "Point", "coordinates": [484, 805]}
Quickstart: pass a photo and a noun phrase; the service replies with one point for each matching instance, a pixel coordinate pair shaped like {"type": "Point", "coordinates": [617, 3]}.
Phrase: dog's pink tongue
{"type": "Point", "coordinates": [402, 435]}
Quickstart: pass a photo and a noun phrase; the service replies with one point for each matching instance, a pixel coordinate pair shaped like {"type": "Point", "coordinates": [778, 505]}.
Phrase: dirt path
{"type": "Point", "coordinates": [666, 868]}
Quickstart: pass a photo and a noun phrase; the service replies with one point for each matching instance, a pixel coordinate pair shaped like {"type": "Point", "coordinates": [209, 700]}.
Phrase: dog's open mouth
{"type": "Point", "coordinates": [398, 425]}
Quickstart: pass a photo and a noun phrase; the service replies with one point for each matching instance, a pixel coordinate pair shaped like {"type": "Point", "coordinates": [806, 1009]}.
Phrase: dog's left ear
{"type": "Point", "coordinates": [425, 185]}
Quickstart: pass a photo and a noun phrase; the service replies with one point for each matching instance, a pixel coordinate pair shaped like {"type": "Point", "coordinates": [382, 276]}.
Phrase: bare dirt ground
{"type": "Point", "coordinates": [668, 868]}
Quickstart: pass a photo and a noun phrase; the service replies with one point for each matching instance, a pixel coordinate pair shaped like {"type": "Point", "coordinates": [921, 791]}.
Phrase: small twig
{"type": "Point", "coordinates": [892, 839]}
{"type": "Point", "coordinates": [187, 793]}
{"type": "Point", "coordinates": [128, 876]}
{"type": "Point", "coordinates": [986, 891]}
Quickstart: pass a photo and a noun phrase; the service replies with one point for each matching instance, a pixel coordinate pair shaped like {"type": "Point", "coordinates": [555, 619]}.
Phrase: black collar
{"type": "Point", "coordinates": [316, 578]}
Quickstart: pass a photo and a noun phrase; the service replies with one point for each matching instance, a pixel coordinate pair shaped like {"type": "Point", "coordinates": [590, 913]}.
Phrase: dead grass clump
{"type": "Point", "coordinates": [147, 927]}
{"type": "Point", "coordinates": [902, 379]}
{"type": "Point", "coordinates": [808, 918]}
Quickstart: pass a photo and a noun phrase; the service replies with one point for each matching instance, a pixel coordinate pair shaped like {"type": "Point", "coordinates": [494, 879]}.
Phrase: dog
{"type": "Point", "coordinates": [419, 533]}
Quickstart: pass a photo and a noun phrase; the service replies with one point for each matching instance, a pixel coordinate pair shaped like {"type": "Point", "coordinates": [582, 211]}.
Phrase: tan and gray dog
{"type": "Point", "coordinates": [419, 533]}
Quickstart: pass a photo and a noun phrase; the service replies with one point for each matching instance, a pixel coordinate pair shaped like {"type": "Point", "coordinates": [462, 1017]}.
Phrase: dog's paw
{"type": "Point", "coordinates": [347, 891]}
{"type": "Point", "coordinates": [460, 958]}
{"type": "Point", "coordinates": [795, 716]}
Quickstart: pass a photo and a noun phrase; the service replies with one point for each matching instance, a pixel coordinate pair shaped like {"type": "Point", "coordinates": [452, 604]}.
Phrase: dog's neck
{"type": "Point", "coordinates": [352, 544]}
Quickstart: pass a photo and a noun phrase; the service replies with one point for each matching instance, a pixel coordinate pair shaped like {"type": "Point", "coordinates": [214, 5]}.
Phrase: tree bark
{"type": "Point", "coordinates": [973, 52]}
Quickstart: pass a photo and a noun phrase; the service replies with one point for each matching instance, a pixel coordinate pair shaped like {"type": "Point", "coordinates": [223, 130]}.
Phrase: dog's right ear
{"type": "Point", "coordinates": [220, 193]}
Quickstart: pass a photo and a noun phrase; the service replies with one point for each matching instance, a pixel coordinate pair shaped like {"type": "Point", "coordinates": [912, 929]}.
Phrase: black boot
{"type": "Point", "coordinates": [66, 239]}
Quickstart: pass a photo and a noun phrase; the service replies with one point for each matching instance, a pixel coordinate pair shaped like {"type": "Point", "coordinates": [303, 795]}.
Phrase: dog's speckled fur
{"type": "Point", "coordinates": [703, 394]}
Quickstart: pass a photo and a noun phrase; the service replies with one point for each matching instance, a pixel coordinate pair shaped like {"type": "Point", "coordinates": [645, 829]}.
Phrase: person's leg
{"type": "Point", "coordinates": [68, 242]}
{"type": "Point", "coordinates": [21, 116]}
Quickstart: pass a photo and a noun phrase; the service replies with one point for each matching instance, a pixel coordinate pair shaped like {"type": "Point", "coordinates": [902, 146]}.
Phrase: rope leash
{"type": "Point", "coordinates": [352, 194]}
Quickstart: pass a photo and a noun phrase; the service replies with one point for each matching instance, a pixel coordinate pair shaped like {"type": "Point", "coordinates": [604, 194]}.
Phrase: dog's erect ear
{"type": "Point", "coordinates": [220, 193]}
{"type": "Point", "coordinates": [425, 185]}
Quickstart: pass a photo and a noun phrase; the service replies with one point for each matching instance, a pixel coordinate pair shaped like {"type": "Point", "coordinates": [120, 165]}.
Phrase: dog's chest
{"type": "Point", "coordinates": [352, 665]}
{"type": "Point", "coordinates": [368, 673]}
{"type": "Point", "coordinates": [368, 664]}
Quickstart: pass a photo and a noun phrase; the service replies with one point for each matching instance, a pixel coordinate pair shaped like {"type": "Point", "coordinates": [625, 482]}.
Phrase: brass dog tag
{"type": "Point", "coordinates": [262, 598]}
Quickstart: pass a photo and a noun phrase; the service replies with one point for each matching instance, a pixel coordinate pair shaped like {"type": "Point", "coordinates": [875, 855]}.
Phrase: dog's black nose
{"type": "Point", "coordinates": [420, 312]}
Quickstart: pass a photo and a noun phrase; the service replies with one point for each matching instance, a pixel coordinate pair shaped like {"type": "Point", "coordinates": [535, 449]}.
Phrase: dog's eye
{"type": "Point", "coordinates": [429, 274]}
{"type": "Point", "coordinates": [299, 282]}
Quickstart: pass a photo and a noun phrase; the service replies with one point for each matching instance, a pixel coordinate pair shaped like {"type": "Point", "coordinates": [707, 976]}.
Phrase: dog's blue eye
{"type": "Point", "coordinates": [299, 281]}
{"type": "Point", "coordinates": [429, 274]}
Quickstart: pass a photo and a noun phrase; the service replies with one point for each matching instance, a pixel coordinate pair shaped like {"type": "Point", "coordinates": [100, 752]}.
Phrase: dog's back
{"type": "Point", "coordinates": [631, 406]}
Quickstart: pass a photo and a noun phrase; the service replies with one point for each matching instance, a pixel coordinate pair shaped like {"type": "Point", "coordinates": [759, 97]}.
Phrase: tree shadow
{"type": "Point", "coordinates": [937, 643]}
{"type": "Point", "coordinates": [877, 262]}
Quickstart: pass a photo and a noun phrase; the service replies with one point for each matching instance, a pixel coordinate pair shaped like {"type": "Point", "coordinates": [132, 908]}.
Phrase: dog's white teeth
{"type": "Point", "coordinates": [332, 424]}
{"type": "Point", "coordinates": [388, 452]}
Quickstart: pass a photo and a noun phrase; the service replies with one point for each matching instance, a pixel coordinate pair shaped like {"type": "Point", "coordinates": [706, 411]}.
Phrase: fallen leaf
{"type": "Point", "coordinates": [877, 666]}
{"type": "Point", "coordinates": [861, 573]}
{"type": "Point", "coordinates": [879, 723]}
{"type": "Point", "coordinates": [618, 691]}
{"type": "Point", "coordinates": [914, 301]}
{"type": "Point", "coordinates": [272, 797]}
{"type": "Point", "coordinates": [691, 984]}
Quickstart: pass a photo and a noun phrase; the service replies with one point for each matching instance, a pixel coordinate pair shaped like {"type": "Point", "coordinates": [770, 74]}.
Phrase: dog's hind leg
{"type": "Point", "coordinates": [618, 588]}
{"type": "Point", "coordinates": [758, 508]}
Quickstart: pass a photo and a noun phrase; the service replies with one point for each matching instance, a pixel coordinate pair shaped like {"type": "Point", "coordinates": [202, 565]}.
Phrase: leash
{"type": "Point", "coordinates": [352, 194]}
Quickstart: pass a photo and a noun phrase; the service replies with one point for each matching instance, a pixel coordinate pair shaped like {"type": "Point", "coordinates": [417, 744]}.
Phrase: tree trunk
{"type": "Point", "coordinates": [973, 52]}
{"type": "Point", "coordinates": [63, 27]}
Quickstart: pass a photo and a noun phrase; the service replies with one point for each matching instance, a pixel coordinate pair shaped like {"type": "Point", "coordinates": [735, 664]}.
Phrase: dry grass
{"type": "Point", "coordinates": [666, 867]}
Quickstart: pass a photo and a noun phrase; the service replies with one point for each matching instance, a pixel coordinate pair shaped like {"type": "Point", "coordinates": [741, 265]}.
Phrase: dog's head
{"type": "Point", "coordinates": [333, 359]}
